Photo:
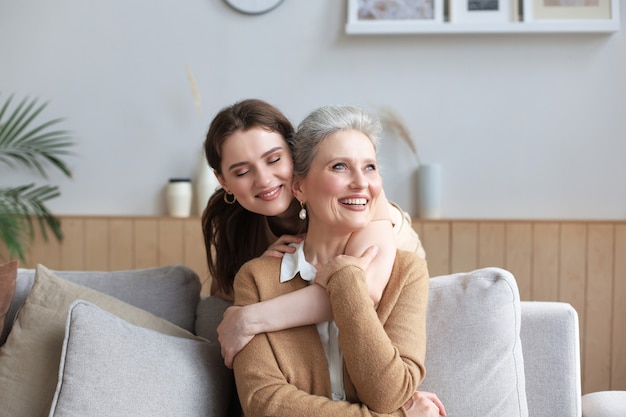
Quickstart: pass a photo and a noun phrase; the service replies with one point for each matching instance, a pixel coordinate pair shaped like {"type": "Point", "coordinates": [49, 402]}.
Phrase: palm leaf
{"type": "Point", "coordinates": [19, 206]}
{"type": "Point", "coordinates": [33, 147]}
{"type": "Point", "coordinates": [38, 146]}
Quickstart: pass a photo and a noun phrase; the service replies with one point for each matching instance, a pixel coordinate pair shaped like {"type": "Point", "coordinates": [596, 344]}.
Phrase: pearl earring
{"type": "Point", "coordinates": [302, 213]}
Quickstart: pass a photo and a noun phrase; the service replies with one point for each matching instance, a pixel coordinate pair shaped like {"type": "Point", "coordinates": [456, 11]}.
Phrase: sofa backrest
{"type": "Point", "coordinates": [171, 292]}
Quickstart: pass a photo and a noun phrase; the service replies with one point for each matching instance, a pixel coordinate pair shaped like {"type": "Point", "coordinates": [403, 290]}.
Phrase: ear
{"type": "Point", "coordinates": [221, 180]}
{"type": "Point", "coordinates": [296, 190]}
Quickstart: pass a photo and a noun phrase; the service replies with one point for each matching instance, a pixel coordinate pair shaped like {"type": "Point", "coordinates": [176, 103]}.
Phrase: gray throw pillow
{"type": "Point", "coordinates": [474, 357]}
{"type": "Point", "coordinates": [143, 288]}
{"type": "Point", "coordinates": [29, 360]}
{"type": "Point", "coordinates": [134, 371]}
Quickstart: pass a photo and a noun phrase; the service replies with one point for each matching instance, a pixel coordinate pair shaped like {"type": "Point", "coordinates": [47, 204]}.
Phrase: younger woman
{"type": "Point", "coordinates": [255, 213]}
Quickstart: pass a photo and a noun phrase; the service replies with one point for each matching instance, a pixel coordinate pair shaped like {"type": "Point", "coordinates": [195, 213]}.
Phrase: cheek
{"type": "Point", "coordinates": [238, 186]}
{"type": "Point", "coordinates": [376, 186]}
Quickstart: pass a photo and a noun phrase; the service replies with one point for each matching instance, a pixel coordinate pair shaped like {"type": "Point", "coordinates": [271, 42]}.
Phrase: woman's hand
{"type": "Point", "coordinates": [281, 246]}
{"type": "Point", "coordinates": [424, 404]}
{"type": "Point", "coordinates": [326, 270]}
{"type": "Point", "coordinates": [232, 333]}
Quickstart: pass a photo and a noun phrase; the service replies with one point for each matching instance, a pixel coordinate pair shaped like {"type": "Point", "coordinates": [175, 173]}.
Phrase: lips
{"type": "Point", "coordinates": [269, 194]}
{"type": "Point", "coordinates": [353, 201]}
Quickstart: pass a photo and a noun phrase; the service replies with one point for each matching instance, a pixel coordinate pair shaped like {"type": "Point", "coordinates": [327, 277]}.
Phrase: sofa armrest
{"type": "Point", "coordinates": [551, 348]}
{"type": "Point", "coordinates": [604, 404]}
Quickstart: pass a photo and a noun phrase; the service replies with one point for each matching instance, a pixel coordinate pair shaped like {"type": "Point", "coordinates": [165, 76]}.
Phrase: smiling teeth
{"type": "Point", "coordinates": [354, 201]}
{"type": "Point", "coordinates": [271, 193]}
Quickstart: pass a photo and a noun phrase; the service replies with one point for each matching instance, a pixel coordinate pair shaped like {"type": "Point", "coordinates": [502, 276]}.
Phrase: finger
{"type": "Point", "coordinates": [369, 255]}
{"type": "Point", "coordinates": [273, 253]}
{"type": "Point", "coordinates": [228, 361]}
{"type": "Point", "coordinates": [433, 397]}
{"type": "Point", "coordinates": [286, 239]}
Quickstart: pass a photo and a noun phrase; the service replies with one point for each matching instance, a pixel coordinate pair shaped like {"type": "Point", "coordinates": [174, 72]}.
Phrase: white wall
{"type": "Point", "coordinates": [525, 126]}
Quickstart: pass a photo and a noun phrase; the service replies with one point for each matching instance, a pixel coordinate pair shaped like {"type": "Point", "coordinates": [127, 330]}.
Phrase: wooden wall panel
{"type": "Point", "coordinates": [491, 244]}
{"type": "Point", "coordinates": [464, 238]}
{"type": "Point", "coordinates": [121, 244]}
{"type": "Point", "coordinates": [572, 270]}
{"type": "Point", "coordinates": [170, 244]}
{"type": "Point", "coordinates": [579, 262]}
{"type": "Point", "coordinates": [96, 244]}
{"type": "Point", "coordinates": [598, 308]}
{"type": "Point", "coordinates": [73, 248]}
{"type": "Point", "coordinates": [436, 240]}
{"type": "Point", "coordinates": [146, 240]}
{"type": "Point", "coordinates": [545, 265]}
{"type": "Point", "coordinates": [618, 355]}
{"type": "Point", "coordinates": [518, 255]}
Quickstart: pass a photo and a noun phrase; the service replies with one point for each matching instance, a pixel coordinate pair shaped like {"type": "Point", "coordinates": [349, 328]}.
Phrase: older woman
{"type": "Point", "coordinates": [246, 146]}
{"type": "Point", "coordinates": [368, 360]}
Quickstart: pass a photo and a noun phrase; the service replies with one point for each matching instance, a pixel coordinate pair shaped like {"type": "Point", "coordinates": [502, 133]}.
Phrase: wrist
{"type": "Point", "coordinates": [252, 320]}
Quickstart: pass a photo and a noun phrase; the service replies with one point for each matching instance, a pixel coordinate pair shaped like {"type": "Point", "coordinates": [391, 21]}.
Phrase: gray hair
{"type": "Point", "coordinates": [324, 122]}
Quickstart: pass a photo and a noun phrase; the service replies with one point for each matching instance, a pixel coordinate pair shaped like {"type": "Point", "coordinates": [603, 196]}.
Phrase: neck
{"type": "Point", "coordinates": [322, 244]}
{"type": "Point", "coordinates": [287, 223]}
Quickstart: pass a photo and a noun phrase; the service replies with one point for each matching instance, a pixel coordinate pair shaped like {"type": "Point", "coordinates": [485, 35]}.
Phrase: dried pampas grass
{"type": "Point", "coordinates": [393, 125]}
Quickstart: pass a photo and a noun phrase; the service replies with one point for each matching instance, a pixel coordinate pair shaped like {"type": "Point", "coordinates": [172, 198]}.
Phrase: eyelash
{"type": "Point", "coordinates": [271, 161]}
{"type": "Point", "coordinates": [370, 167]}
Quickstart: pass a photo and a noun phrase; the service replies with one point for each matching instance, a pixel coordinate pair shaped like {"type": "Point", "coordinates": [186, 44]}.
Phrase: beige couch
{"type": "Point", "coordinates": [142, 342]}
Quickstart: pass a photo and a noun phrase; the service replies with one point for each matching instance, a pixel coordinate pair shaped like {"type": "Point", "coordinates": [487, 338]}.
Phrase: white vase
{"type": "Point", "coordinates": [179, 195]}
{"type": "Point", "coordinates": [206, 183]}
{"type": "Point", "coordinates": [429, 191]}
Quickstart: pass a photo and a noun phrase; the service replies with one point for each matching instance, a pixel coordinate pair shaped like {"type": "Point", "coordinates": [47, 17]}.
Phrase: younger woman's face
{"type": "Point", "coordinates": [257, 168]}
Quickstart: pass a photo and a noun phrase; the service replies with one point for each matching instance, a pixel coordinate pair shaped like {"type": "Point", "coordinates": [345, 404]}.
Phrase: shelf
{"type": "Point", "coordinates": [485, 28]}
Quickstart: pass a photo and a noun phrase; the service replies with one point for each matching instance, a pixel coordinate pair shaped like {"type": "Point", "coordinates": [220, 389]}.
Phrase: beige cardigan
{"type": "Point", "coordinates": [285, 373]}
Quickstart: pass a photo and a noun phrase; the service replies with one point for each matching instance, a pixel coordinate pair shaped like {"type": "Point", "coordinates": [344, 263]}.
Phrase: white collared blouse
{"type": "Point", "coordinates": [291, 265]}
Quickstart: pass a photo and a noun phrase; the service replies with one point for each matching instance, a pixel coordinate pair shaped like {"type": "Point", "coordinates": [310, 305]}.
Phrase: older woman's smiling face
{"type": "Point", "coordinates": [343, 183]}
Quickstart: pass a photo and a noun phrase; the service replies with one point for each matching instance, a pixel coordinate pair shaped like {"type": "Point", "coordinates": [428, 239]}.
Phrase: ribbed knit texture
{"type": "Point", "coordinates": [285, 373]}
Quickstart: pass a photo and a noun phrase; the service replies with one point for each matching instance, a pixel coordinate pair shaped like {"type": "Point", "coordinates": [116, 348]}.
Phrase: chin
{"type": "Point", "coordinates": [272, 209]}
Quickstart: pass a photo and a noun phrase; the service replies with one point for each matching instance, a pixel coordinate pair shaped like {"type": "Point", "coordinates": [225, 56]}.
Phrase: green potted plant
{"type": "Point", "coordinates": [25, 142]}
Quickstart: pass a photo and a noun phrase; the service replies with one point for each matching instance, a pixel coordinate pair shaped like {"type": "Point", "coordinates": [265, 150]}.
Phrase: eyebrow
{"type": "Point", "coordinates": [269, 152]}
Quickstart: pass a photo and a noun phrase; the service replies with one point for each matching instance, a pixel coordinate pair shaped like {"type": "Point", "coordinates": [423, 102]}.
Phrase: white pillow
{"type": "Point", "coordinates": [474, 357]}
{"type": "Point", "coordinates": [111, 367]}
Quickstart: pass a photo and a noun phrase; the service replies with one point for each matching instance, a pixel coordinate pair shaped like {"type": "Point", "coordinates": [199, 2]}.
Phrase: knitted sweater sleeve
{"type": "Point", "coordinates": [388, 344]}
{"type": "Point", "coordinates": [266, 368]}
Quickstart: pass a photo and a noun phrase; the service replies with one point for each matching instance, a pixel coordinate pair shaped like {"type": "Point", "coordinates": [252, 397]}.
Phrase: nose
{"type": "Point", "coordinates": [263, 177]}
{"type": "Point", "coordinates": [359, 181]}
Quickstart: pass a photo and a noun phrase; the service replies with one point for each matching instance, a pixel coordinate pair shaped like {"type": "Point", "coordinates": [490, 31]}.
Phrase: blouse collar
{"type": "Point", "coordinates": [293, 263]}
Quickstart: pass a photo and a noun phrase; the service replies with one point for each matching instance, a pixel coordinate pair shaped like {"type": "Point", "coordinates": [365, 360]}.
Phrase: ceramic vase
{"type": "Point", "coordinates": [206, 183]}
{"type": "Point", "coordinates": [429, 191]}
{"type": "Point", "coordinates": [179, 195]}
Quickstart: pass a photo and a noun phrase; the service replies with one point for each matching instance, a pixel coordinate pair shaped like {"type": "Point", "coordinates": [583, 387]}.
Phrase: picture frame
{"type": "Point", "coordinates": [469, 11]}
{"type": "Point", "coordinates": [570, 10]}
{"type": "Point", "coordinates": [391, 16]}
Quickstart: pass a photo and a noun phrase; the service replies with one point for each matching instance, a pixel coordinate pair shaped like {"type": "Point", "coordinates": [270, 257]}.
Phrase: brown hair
{"type": "Point", "coordinates": [232, 234]}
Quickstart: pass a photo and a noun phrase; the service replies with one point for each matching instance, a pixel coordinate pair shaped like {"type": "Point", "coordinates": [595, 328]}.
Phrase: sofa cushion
{"type": "Point", "coordinates": [171, 292]}
{"type": "Point", "coordinates": [135, 371]}
{"type": "Point", "coordinates": [29, 360]}
{"type": "Point", "coordinates": [8, 274]}
{"type": "Point", "coordinates": [474, 359]}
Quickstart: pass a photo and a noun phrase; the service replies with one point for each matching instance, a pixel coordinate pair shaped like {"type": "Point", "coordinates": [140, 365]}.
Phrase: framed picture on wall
{"type": "Point", "coordinates": [392, 16]}
{"type": "Point", "coordinates": [584, 10]}
{"type": "Point", "coordinates": [483, 10]}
